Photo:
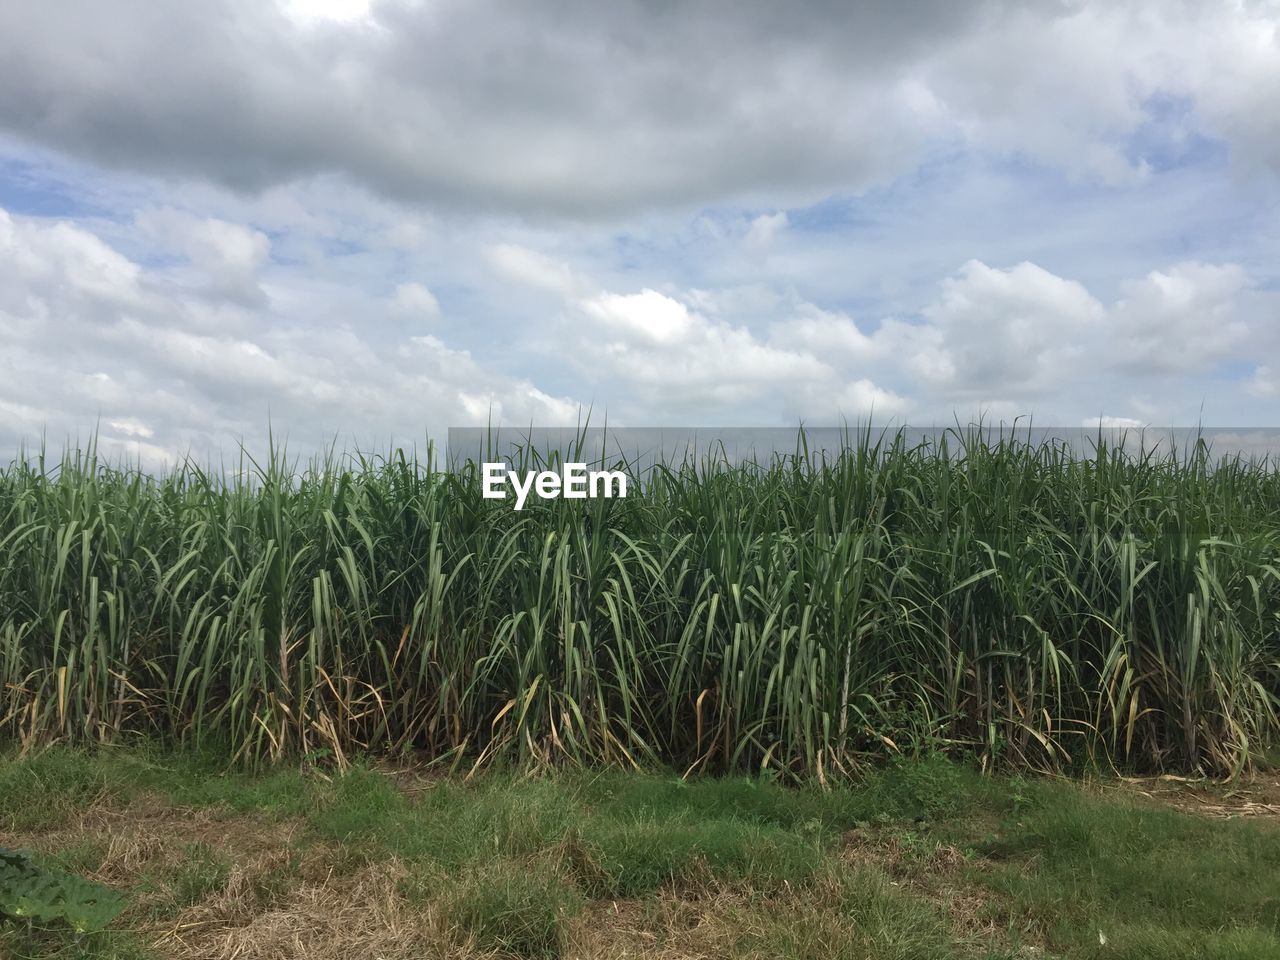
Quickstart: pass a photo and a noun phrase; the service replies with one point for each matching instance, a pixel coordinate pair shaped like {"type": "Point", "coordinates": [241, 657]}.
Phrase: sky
{"type": "Point", "coordinates": [366, 221]}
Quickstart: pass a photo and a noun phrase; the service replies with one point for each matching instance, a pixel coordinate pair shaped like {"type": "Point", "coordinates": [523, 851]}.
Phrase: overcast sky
{"type": "Point", "coordinates": [375, 220]}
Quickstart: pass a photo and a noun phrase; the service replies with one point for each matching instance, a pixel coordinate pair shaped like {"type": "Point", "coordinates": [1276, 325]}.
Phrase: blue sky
{"type": "Point", "coordinates": [378, 220]}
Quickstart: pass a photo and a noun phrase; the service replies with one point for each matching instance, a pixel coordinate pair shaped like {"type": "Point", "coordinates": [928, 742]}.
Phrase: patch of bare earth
{"type": "Point", "coordinates": [1256, 796]}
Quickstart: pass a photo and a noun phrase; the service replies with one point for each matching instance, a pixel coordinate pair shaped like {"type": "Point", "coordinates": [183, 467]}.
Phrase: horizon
{"type": "Point", "coordinates": [637, 449]}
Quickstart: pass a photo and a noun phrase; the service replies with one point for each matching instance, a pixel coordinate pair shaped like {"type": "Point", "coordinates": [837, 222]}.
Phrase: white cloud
{"type": "Point", "coordinates": [663, 358]}
{"type": "Point", "coordinates": [132, 428]}
{"type": "Point", "coordinates": [1183, 319]}
{"type": "Point", "coordinates": [1015, 339]}
{"type": "Point", "coordinates": [1008, 331]}
{"type": "Point", "coordinates": [863, 398]}
{"type": "Point", "coordinates": [647, 317]}
{"type": "Point", "coordinates": [993, 337]}
{"type": "Point", "coordinates": [65, 259]}
{"type": "Point", "coordinates": [415, 301]}
{"type": "Point", "coordinates": [734, 212]}
{"type": "Point", "coordinates": [1108, 423]}
{"type": "Point", "coordinates": [766, 227]}
{"type": "Point", "coordinates": [530, 268]}
{"type": "Point", "coordinates": [825, 333]}
{"type": "Point", "coordinates": [98, 338]}
{"type": "Point", "coordinates": [225, 258]}
{"type": "Point", "coordinates": [678, 356]}
{"type": "Point", "coordinates": [538, 318]}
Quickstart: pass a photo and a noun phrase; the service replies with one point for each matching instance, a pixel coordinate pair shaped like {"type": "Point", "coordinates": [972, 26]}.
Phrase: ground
{"type": "Point", "coordinates": [923, 859]}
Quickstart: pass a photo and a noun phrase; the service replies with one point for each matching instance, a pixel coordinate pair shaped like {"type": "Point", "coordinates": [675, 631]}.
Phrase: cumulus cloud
{"type": "Point", "coordinates": [415, 301]}
{"type": "Point", "coordinates": [92, 337]}
{"type": "Point", "coordinates": [161, 357]}
{"type": "Point", "coordinates": [1183, 319]}
{"type": "Point", "coordinates": [654, 346]}
{"type": "Point", "coordinates": [225, 258]}
{"type": "Point", "coordinates": [1006, 331]}
{"type": "Point", "coordinates": [132, 428]}
{"type": "Point", "coordinates": [60, 259]}
{"type": "Point", "coordinates": [385, 216]}
{"type": "Point", "coordinates": [765, 227]}
{"type": "Point", "coordinates": [863, 399]}
{"type": "Point", "coordinates": [515, 263]}
{"type": "Point", "coordinates": [1009, 339]}
{"type": "Point", "coordinates": [647, 318]}
{"type": "Point", "coordinates": [991, 336]}
{"type": "Point", "coordinates": [995, 340]}
{"type": "Point", "coordinates": [594, 110]}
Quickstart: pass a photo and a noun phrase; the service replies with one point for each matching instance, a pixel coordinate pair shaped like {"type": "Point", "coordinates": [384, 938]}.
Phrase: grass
{"type": "Point", "coordinates": [202, 871]}
{"type": "Point", "coordinates": [919, 859]}
{"type": "Point", "coordinates": [508, 907]}
{"type": "Point", "coordinates": [1121, 870]}
{"type": "Point", "coordinates": [980, 594]}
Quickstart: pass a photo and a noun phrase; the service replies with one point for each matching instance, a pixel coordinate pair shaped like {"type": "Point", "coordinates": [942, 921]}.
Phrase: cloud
{"type": "Point", "coordinates": [1109, 423]}
{"type": "Point", "coordinates": [991, 336]}
{"type": "Point", "coordinates": [765, 227]}
{"type": "Point", "coordinates": [532, 269]}
{"type": "Point", "coordinates": [1003, 342]}
{"type": "Point", "coordinates": [206, 310]}
{"type": "Point", "coordinates": [225, 258]}
{"type": "Point", "coordinates": [415, 301]}
{"type": "Point", "coordinates": [591, 110]}
{"type": "Point", "coordinates": [647, 318]}
{"type": "Point", "coordinates": [1265, 382]}
{"type": "Point", "coordinates": [132, 428]}
{"type": "Point", "coordinates": [310, 11]}
{"type": "Point", "coordinates": [64, 260]}
{"type": "Point", "coordinates": [93, 337]}
{"type": "Point", "coordinates": [653, 346]}
{"type": "Point", "coordinates": [1019, 338]}
{"type": "Point", "coordinates": [1182, 320]}
{"type": "Point", "coordinates": [1004, 332]}
{"type": "Point", "coordinates": [826, 333]}
{"type": "Point", "coordinates": [862, 398]}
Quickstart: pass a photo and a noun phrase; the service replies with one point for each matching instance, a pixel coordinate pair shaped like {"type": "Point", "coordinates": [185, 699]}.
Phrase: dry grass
{"type": "Point", "coordinates": [282, 900]}
{"type": "Point", "coordinates": [1016, 872]}
{"type": "Point", "coordinates": [665, 927]}
{"type": "Point", "coordinates": [1256, 796]}
{"type": "Point", "coordinates": [277, 900]}
{"type": "Point", "coordinates": [330, 906]}
{"type": "Point", "coordinates": [933, 869]}
{"type": "Point", "coordinates": [358, 914]}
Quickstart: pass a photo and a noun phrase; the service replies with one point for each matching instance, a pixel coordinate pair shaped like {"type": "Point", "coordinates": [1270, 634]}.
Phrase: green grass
{"type": "Point", "coordinates": [508, 907]}
{"type": "Point", "coordinates": [50, 787]}
{"type": "Point", "coordinates": [540, 866]}
{"type": "Point", "coordinates": [52, 945]}
{"type": "Point", "coordinates": [855, 915]}
{"type": "Point", "coordinates": [201, 872]}
{"type": "Point", "coordinates": [982, 594]}
{"type": "Point", "coordinates": [1154, 882]}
